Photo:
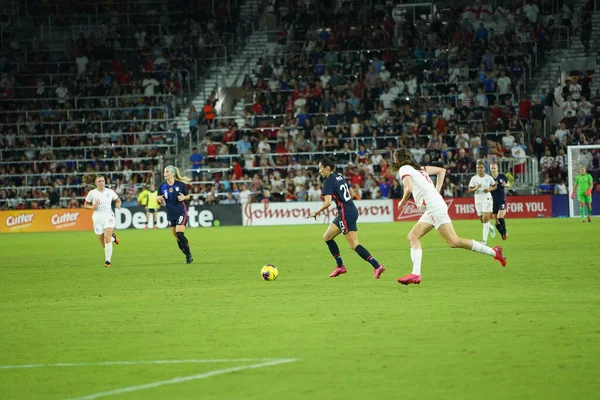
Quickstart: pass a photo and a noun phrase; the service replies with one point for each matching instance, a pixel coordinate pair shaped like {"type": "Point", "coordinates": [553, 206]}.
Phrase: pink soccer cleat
{"type": "Point", "coordinates": [378, 271]}
{"type": "Point", "coordinates": [410, 278]}
{"type": "Point", "coordinates": [499, 256]}
{"type": "Point", "coordinates": [338, 271]}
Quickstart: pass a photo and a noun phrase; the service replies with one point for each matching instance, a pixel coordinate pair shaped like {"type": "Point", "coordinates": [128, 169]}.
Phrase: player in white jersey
{"type": "Point", "coordinates": [416, 181]}
{"type": "Point", "coordinates": [100, 200]}
{"type": "Point", "coordinates": [482, 184]}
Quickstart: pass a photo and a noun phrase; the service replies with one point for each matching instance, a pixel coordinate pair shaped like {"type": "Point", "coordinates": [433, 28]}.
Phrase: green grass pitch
{"type": "Point", "coordinates": [471, 330]}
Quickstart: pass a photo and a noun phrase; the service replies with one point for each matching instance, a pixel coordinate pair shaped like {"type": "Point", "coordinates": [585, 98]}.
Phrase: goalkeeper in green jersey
{"type": "Point", "coordinates": [583, 188]}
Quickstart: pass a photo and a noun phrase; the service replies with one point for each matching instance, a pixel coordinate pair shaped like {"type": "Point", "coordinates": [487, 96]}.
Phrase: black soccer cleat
{"type": "Point", "coordinates": [107, 264]}
{"type": "Point", "coordinates": [189, 259]}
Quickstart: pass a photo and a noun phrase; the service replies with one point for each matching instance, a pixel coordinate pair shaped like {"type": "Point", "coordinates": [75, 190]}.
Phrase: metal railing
{"type": "Point", "coordinates": [89, 150]}
{"type": "Point", "coordinates": [76, 161]}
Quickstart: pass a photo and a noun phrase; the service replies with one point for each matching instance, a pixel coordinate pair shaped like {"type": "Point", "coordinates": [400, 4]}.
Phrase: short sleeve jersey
{"type": "Point", "coordinates": [105, 199]}
{"type": "Point", "coordinates": [175, 208]}
{"type": "Point", "coordinates": [499, 194]}
{"type": "Point", "coordinates": [336, 186]}
{"type": "Point", "coordinates": [424, 192]}
{"type": "Point", "coordinates": [486, 182]}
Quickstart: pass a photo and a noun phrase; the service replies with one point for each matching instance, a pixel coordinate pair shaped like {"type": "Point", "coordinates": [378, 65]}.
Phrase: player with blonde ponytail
{"type": "Point", "coordinates": [173, 193]}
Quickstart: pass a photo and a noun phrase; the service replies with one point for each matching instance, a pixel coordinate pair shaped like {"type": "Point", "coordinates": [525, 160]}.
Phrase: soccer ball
{"type": "Point", "coordinates": [269, 272]}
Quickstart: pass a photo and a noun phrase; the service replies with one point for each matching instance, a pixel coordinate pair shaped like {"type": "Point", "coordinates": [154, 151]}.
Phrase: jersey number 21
{"type": "Point", "coordinates": [345, 192]}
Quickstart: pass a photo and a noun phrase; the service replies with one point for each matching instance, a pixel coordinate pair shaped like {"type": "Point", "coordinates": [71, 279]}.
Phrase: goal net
{"type": "Point", "coordinates": [578, 156]}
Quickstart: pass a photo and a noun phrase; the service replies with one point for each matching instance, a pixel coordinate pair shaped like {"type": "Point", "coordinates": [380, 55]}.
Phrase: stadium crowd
{"type": "Point", "coordinates": [349, 80]}
{"type": "Point", "coordinates": [103, 101]}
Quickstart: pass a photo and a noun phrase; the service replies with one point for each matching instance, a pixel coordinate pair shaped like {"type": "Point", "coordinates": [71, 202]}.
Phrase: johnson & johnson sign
{"type": "Point", "coordinates": [292, 213]}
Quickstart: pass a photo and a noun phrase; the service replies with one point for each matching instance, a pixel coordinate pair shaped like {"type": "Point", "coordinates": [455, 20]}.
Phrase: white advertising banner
{"type": "Point", "coordinates": [296, 213]}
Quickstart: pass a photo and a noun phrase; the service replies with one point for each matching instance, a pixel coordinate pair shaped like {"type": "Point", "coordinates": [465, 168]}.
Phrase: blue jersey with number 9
{"type": "Point", "coordinates": [337, 187]}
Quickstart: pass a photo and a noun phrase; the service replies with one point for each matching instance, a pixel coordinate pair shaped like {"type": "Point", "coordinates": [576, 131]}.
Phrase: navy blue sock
{"type": "Point", "coordinates": [335, 252]}
{"type": "Point", "coordinates": [365, 255]}
{"type": "Point", "coordinates": [183, 243]}
{"type": "Point", "coordinates": [503, 224]}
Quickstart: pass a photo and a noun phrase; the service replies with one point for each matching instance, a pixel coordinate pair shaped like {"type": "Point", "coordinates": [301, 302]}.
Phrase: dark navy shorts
{"type": "Point", "coordinates": [177, 220]}
{"type": "Point", "coordinates": [499, 206]}
{"type": "Point", "coordinates": [346, 221]}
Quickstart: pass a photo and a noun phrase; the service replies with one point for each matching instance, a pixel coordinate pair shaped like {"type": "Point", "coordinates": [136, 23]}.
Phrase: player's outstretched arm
{"type": "Point", "coordinates": [440, 174]}
{"type": "Point", "coordinates": [324, 206]}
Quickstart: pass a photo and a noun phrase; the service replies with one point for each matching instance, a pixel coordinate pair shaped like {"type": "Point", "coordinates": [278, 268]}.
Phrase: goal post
{"type": "Point", "coordinates": [574, 162]}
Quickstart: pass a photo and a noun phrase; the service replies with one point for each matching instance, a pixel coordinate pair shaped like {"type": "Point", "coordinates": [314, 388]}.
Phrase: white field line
{"type": "Point", "coordinates": [181, 379]}
{"type": "Point", "coordinates": [141, 362]}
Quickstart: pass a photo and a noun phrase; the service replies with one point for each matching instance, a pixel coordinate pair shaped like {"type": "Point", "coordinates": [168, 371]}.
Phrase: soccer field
{"type": "Point", "coordinates": [152, 327]}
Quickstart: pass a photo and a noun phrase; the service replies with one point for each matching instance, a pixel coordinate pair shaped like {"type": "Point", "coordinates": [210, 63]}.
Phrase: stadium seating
{"type": "Point", "coordinates": [105, 86]}
{"type": "Point", "coordinates": [97, 87]}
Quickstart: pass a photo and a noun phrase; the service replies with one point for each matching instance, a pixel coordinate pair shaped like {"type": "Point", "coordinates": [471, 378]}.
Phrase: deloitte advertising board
{"type": "Point", "coordinates": [198, 216]}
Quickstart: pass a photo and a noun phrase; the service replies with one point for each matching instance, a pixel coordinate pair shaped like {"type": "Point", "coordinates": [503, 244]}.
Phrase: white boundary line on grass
{"type": "Point", "coordinates": [141, 362]}
{"type": "Point", "coordinates": [181, 379]}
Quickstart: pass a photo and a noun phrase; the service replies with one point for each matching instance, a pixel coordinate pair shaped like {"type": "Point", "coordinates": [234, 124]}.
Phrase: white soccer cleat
{"type": "Point", "coordinates": [492, 230]}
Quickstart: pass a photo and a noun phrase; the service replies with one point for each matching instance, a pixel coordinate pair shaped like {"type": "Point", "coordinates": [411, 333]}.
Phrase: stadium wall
{"type": "Point", "coordinates": [69, 219]}
{"type": "Point", "coordinates": [198, 216]}
{"type": "Point", "coordinates": [269, 214]}
{"type": "Point", "coordinates": [560, 205]}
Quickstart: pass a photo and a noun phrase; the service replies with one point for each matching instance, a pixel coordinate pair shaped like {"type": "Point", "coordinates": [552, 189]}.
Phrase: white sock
{"type": "Point", "coordinates": [491, 227]}
{"type": "Point", "coordinates": [481, 248]}
{"type": "Point", "coordinates": [416, 255]}
{"type": "Point", "coordinates": [108, 251]}
{"type": "Point", "coordinates": [486, 231]}
{"type": "Point", "coordinates": [112, 239]}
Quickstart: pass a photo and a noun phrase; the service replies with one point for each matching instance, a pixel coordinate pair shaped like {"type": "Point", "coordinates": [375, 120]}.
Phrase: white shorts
{"type": "Point", "coordinates": [484, 206]}
{"type": "Point", "coordinates": [101, 224]}
{"type": "Point", "coordinates": [436, 217]}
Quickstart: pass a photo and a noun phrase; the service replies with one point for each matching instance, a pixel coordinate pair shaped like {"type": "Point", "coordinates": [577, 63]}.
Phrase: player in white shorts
{"type": "Point", "coordinates": [416, 181]}
{"type": "Point", "coordinates": [482, 184]}
{"type": "Point", "coordinates": [100, 200]}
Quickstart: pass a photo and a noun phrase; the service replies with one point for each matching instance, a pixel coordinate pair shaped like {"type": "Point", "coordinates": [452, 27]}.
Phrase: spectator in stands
{"type": "Point", "coordinates": [196, 162]}
{"type": "Point", "coordinates": [53, 198]}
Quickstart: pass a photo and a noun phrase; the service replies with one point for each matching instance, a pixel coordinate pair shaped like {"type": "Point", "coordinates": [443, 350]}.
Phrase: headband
{"type": "Point", "coordinates": [171, 168]}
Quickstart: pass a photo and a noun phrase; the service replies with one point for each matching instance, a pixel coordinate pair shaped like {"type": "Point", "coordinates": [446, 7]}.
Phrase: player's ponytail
{"type": "Point", "coordinates": [403, 156]}
{"type": "Point", "coordinates": [177, 174]}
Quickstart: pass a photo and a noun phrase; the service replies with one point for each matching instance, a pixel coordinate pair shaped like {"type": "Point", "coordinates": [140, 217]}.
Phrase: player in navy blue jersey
{"type": "Point", "coordinates": [499, 198]}
{"type": "Point", "coordinates": [336, 189]}
{"type": "Point", "coordinates": [173, 193]}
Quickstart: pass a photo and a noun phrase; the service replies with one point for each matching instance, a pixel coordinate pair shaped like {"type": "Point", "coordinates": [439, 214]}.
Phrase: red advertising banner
{"type": "Point", "coordinates": [464, 208]}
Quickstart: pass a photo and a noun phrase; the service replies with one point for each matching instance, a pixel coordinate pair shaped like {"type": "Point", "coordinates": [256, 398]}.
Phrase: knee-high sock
{"type": "Point", "coordinates": [416, 255]}
{"type": "Point", "coordinates": [365, 255]}
{"type": "Point", "coordinates": [108, 248]}
{"type": "Point", "coordinates": [502, 223]}
{"type": "Point", "coordinates": [184, 244]}
{"type": "Point", "coordinates": [335, 252]}
{"type": "Point", "coordinates": [589, 210]}
{"type": "Point", "coordinates": [582, 211]}
{"type": "Point", "coordinates": [486, 231]}
{"type": "Point", "coordinates": [482, 248]}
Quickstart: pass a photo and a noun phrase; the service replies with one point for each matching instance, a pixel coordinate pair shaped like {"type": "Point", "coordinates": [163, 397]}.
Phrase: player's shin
{"type": "Point", "coordinates": [482, 248]}
{"type": "Point", "coordinates": [108, 249]}
{"type": "Point", "coordinates": [416, 255]}
{"type": "Point", "coordinates": [486, 231]}
{"type": "Point", "coordinates": [335, 252]}
{"type": "Point", "coordinates": [365, 255]}
{"type": "Point", "coordinates": [184, 244]}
